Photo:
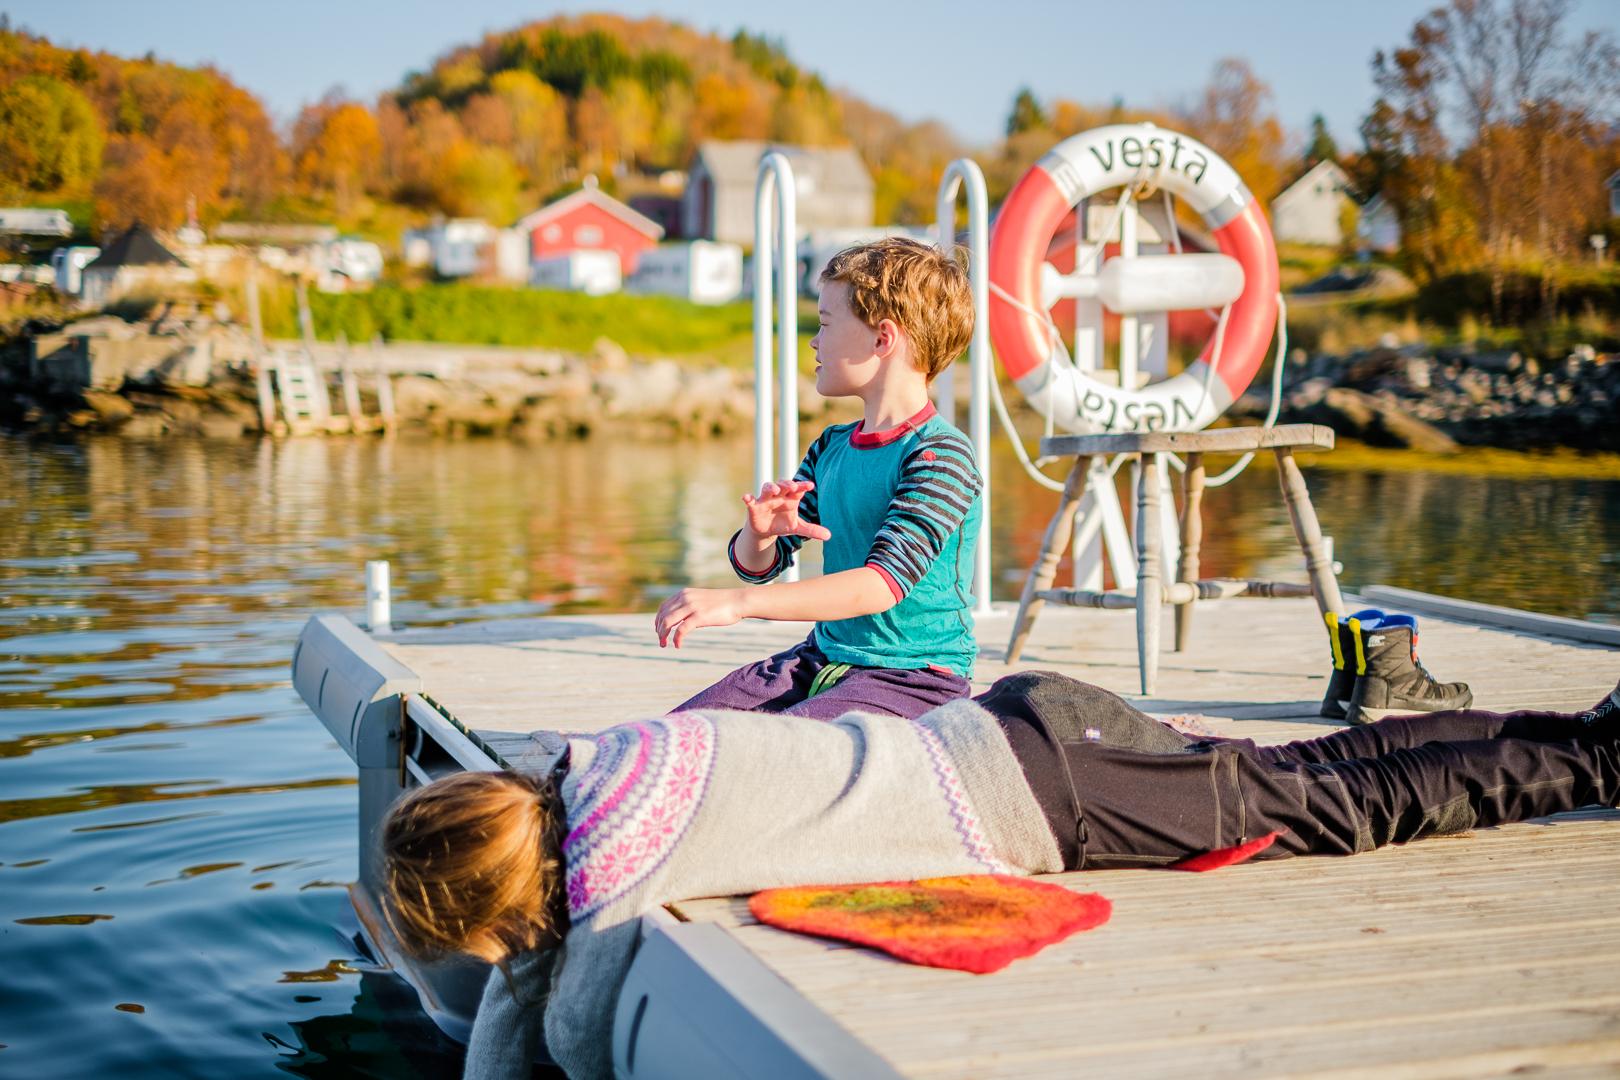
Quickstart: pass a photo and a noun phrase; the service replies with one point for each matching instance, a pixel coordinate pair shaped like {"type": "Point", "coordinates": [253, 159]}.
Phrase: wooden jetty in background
{"type": "Point", "coordinates": [1476, 955]}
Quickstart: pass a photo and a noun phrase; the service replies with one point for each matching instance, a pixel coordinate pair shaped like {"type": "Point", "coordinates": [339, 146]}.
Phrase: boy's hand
{"type": "Point", "coordinates": [690, 609]}
{"type": "Point", "coordinates": [775, 511]}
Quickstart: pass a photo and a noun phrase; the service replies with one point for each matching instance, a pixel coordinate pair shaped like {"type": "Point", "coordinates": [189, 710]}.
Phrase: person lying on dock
{"type": "Point", "coordinates": [893, 497]}
{"type": "Point", "coordinates": [547, 876]}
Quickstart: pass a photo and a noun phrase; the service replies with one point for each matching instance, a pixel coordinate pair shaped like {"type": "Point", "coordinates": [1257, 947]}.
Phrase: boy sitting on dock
{"type": "Point", "coordinates": [894, 498]}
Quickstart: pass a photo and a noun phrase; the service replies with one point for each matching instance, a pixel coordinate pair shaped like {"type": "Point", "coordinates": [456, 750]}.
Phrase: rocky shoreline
{"type": "Point", "coordinates": [194, 376]}
{"type": "Point", "coordinates": [1442, 401]}
{"type": "Point", "coordinates": [203, 382]}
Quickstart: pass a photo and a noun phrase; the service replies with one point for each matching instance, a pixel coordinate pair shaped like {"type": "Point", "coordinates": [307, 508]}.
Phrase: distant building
{"type": "Point", "coordinates": [834, 189]}
{"type": "Point", "coordinates": [30, 221]}
{"type": "Point", "coordinates": [67, 267]}
{"type": "Point", "coordinates": [133, 263]}
{"type": "Point", "coordinates": [701, 271]}
{"type": "Point", "coordinates": [664, 209]}
{"type": "Point", "coordinates": [340, 265]}
{"type": "Point", "coordinates": [454, 248]}
{"type": "Point", "coordinates": [287, 236]}
{"type": "Point", "coordinates": [590, 220]}
{"type": "Point", "coordinates": [1378, 228]}
{"type": "Point", "coordinates": [1309, 210]}
{"type": "Point", "coordinates": [589, 271]}
{"type": "Point", "coordinates": [1613, 184]}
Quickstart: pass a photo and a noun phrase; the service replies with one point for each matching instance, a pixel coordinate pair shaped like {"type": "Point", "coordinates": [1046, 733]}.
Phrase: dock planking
{"type": "Point", "coordinates": [1475, 955]}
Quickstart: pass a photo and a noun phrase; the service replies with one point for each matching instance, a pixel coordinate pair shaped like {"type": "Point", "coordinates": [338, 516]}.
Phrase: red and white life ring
{"type": "Point", "coordinates": [1089, 163]}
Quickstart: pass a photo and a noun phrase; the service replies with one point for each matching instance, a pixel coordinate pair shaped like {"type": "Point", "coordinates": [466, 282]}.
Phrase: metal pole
{"type": "Point", "coordinates": [775, 180]}
{"type": "Point", "coordinates": [964, 172]}
{"type": "Point", "coordinates": [379, 619]}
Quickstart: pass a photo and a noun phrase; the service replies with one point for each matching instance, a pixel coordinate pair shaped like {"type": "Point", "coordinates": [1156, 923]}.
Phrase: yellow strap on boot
{"type": "Point", "coordinates": [1332, 620]}
{"type": "Point", "coordinates": [1361, 653]}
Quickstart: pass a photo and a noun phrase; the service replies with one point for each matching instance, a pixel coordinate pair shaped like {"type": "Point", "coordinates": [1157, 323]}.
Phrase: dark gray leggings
{"type": "Point", "coordinates": [1121, 789]}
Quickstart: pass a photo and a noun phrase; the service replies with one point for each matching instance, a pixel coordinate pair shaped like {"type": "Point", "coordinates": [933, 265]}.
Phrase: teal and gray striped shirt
{"type": "Point", "coordinates": [906, 503]}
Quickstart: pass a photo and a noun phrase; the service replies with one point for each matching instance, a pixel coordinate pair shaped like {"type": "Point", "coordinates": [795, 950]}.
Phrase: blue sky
{"type": "Point", "coordinates": [955, 61]}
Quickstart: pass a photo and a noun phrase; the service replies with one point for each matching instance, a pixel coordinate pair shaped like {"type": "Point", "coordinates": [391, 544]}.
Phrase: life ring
{"type": "Point", "coordinates": [1089, 163]}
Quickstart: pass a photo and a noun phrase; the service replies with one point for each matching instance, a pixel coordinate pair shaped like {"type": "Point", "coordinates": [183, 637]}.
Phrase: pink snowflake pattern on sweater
{"type": "Point", "coordinates": [636, 800]}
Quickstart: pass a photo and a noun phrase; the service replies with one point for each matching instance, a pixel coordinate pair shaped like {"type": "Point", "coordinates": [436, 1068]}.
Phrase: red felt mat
{"type": "Point", "coordinates": [1226, 856]}
{"type": "Point", "coordinates": [979, 923]}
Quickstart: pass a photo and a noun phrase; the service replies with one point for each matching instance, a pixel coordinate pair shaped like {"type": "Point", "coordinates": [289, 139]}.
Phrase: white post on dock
{"type": "Point", "coordinates": [965, 173]}
{"type": "Point", "coordinates": [775, 179]}
{"type": "Point", "coordinates": [379, 617]}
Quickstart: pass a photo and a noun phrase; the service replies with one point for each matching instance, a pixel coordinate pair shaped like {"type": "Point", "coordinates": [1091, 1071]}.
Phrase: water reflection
{"type": "Point", "coordinates": [149, 597]}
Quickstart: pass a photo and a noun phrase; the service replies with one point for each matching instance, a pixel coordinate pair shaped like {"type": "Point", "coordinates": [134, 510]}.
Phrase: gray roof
{"type": "Point", "coordinates": [136, 247]}
{"type": "Point", "coordinates": [832, 168]}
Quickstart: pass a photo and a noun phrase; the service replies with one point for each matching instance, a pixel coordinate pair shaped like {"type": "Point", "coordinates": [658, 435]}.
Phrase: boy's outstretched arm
{"type": "Point", "coordinates": [861, 591]}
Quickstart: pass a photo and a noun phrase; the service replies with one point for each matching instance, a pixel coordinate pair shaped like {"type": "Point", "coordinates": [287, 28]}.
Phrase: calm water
{"type": "Point", "coordinates": [175, 828]}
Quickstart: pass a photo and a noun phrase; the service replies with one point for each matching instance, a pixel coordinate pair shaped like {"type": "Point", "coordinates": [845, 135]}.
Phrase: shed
{"type": "Point", "coordinates": [135, 262]}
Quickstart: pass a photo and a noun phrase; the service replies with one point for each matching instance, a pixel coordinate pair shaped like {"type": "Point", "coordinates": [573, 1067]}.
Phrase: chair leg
{"type": "Point", "coordinates": [1192, 537]}
{"type": "Point", "coordinates": [1149, 572]}
{"type": "Point", "coordinates": [1041, 575]}
{"type": "Point", "coordinates": [1308, 531]}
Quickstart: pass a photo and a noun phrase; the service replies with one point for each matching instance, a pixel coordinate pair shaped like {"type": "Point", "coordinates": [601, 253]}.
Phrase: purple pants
{"type": "Point", "coordinates": [781, 684]}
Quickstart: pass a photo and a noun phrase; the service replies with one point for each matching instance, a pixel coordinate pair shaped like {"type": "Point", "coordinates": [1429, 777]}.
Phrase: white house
{"type": "Point", "coordinates": [701, 271]}
{"type": "Point", "coordinates": [1308, 211]}
{"type": "Point", "coordinates": [592, 272]}
{"type": "Point", "coordinates": [1378, 228]}
{"type": "Point", "coordinates": [1613, 184]}
{"type": "Point", "coordinates": [834, 189]}
{"type": "Point", "coordinates": [454, 248]}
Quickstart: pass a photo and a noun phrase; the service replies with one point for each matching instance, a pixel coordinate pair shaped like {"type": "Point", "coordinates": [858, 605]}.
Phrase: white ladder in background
{"type": "Point", "coordinates": [304, 403]}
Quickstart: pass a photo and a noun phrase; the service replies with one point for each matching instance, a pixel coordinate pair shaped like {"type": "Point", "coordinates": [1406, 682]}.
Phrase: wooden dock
{"type": "Point", "coordinates": [1478, 955]}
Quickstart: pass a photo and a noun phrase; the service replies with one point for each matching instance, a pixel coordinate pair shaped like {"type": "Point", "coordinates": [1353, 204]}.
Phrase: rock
{"type": "Point", "coordinates": [1379, 423]}
{"type": "Point", "coordinates": [1497, 360]}
{"type": "Point", "coordinates": [639, 393]}
{"type": "Point", "coordinates": [608, 355]}
{"type": "Point", "coordinates": [111, 408]}
{"type": "Point", "coordinates": [183, 413]}
{"type": "Point", "coordinates": [146, 425]}
{"type": "Point", "coordinates": [418, 395]}
{"type": "Point", "coordinates": [220, 426]}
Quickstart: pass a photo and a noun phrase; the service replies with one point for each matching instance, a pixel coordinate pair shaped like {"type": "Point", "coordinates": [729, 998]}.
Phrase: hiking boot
{"type": "Point", "coordinates": [1603, 719]}
{"type": "Point", "coordinates": [1391, 680]}
{"type": "Point", "coordinates": [1341, 636]}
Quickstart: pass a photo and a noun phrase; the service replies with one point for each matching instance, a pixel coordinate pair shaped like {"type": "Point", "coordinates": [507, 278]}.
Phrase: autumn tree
{"type": "Point", "coordinates": [1235, 118]}
{"type": "Point", "coordinates": [50, 137]}
{"type": "Point", "coordinates": [1492, 133]}
{"type": "Point", "coordinates": [539, 119]}
{"type": "Point", "coordinates": [337, 148]}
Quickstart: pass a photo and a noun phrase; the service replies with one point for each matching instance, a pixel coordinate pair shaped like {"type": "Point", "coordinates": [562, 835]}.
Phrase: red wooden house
{"type": "Point", "coordinates": [592, 220]}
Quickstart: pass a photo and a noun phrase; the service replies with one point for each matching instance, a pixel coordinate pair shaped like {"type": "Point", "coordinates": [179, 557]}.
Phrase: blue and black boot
{"type": "Point", "coordinates": [1342, 631]}
{"type": "Point", "coordinates": [1390, 679]}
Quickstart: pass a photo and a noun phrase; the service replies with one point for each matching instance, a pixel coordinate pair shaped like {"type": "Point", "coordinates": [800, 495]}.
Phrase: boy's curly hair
{"type": "Point", "coordinates": [920, 288]}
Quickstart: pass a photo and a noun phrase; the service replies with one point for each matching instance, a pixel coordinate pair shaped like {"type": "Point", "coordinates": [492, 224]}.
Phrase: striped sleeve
{"type": "Point", "coordinates": [938, 484]}
{"type": "Point", "coordinates": [787, 545]}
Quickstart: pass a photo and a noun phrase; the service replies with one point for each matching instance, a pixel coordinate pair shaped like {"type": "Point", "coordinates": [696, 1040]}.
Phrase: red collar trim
{"type": "Point", "coordinates": [864, 441]}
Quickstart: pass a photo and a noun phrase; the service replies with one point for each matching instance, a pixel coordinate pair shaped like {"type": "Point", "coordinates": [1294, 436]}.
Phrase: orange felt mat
{"type": "Point", "coordinates": [978, 923]}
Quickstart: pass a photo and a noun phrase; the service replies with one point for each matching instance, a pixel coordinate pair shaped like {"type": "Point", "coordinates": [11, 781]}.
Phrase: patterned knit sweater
{"type": "Point", "coordinates": [713, 804]}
